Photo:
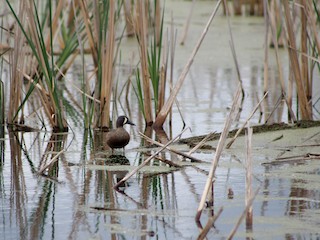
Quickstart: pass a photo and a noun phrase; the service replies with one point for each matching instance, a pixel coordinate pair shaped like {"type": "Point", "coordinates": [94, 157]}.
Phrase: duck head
{"type": "Point", "coordinates": [122, 120]}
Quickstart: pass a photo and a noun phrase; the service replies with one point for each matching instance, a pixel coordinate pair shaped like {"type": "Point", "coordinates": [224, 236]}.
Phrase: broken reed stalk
{"type": "Point", "coordinates": [168, 104]}
{"type": "Point", "coordinates": [249, 220]}
{"type": "Point", "coordinates": [186, 27]}
{"type": "Point", "coordinates": [142, 32]}
{"type": "Point", "coordinates": [53, 160]}
{"type": "Point", "coordinates": [305, 110]}
{"type": "Point", "coordinates": [209, 224]}
{"type": "Point", "coordinates": [146, 161]}
{"type": "Point", "coordinates": [247, 120]}
{"type": "Point", "coordinates": [193, 159]}
{"type": "Point", "coordinates": [221, 143]}
{"type": "Point", "coordinates": [234, 230]}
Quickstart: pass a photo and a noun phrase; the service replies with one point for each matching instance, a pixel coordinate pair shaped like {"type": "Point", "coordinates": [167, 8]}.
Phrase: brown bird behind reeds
{"type": "Point", "coordinates": [119, 137]}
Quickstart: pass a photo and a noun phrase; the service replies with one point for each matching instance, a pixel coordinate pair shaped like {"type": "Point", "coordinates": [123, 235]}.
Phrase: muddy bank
{"type": "Point", "coordinates": [192, 141]}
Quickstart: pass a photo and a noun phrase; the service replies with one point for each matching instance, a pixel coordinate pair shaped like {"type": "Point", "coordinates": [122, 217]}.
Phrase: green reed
{"type": "Point", "coordinates": [39, 34]}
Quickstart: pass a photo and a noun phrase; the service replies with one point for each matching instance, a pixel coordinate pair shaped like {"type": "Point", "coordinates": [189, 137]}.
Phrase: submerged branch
{"type": "Point", "coordinates": [186, 155]}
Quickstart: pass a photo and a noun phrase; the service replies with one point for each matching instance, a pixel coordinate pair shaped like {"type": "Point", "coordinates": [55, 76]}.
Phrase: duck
{"type": "Point", "coordinates": [119, 137]}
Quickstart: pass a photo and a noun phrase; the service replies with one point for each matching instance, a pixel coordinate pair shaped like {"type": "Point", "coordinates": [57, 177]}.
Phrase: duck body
{"type": "Point", "coordinates": [119, 137]}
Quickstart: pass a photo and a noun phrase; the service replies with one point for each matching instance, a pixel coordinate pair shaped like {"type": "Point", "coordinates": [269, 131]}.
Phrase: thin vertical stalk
{"type": "Point", "coordinates": [107, 68]}
{"type": "Point", "coordinates": [304, 50]}
{"type": "Point", "coordinates": [303, 102]}
{"type": "Point", "coordinates": [142, 37]}
{"type": "Point", "coordinates": [15, 82]}
{"type": "Point", "coordinates": [266, 48]}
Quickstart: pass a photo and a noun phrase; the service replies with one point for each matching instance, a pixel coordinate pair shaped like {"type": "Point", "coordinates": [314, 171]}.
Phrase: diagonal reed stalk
{"type": "Point", "coordinates": [160, 119]}
{"type": "Point", "coordinates": [221, 143]}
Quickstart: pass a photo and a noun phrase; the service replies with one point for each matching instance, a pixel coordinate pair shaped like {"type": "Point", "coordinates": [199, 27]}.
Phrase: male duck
{"type": "Point", "coordinates": [119, 137]}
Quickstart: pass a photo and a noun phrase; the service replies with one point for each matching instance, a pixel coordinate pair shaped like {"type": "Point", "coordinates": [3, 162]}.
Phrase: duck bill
{"type": "Point", "coordinates": [129, 122]}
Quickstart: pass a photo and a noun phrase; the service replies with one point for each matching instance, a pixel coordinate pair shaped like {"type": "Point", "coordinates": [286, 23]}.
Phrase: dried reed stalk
{"type": "Point", "coordinates": [17, 63]}
{"type": "Point", "coordinates": [88, 30]}
{"type": "Point", "coordinates": [249, 220]}
{"type": "Point", "coordinates": [53, 160]}
{"type": "Point", "coordinates": [193, 159]}
{"type": "Point", "coordinates": [209, 224]}
{"type": "Point", "coordinates": [146, 161]}
{"type": "Point", "coordinates": [168, 104]}
{"type": "Point", "coordinates": [200, 143]}
{"type": "Point", "coordinates": [221, 143]}
{"type": "Point", "coordinates": [305, 110]}
{"type": "Point", "coordinates": [157, 20]}
{"type": "Point", "coordinates": [163, 76]}
{"type": "Point", "coordinates": [247, 120]}
{"type": "Point", "coordinates": [142, 36]}
{"type": "Point", "coordinates": [107, 68]}
{"type": "Point", "coordinates": [304, 49]}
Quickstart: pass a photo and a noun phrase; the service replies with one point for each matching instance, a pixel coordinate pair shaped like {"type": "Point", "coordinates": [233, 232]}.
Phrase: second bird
{"type": "Point", "coordinates": [119, 137]}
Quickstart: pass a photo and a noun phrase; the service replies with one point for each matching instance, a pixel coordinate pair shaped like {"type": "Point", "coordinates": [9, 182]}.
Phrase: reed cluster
{"type": "Point", "coordinates": [48, 39]}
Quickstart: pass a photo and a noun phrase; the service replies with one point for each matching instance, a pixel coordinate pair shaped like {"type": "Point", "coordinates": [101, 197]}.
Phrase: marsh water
{"type": "Point", "coordinates": [77, 200]}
